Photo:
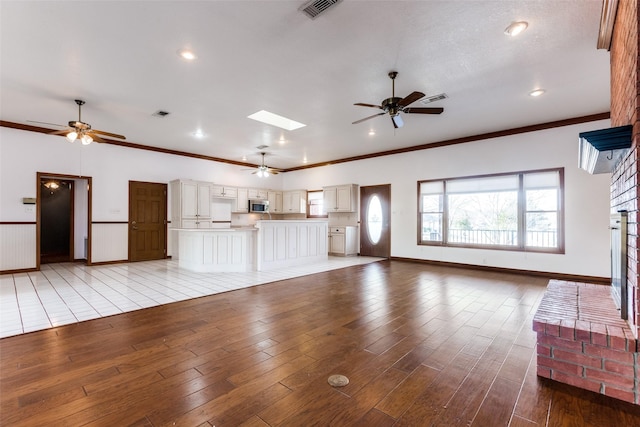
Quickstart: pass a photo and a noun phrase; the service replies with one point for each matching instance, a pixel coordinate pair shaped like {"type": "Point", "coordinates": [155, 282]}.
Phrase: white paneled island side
{"type": "Point", "coordinates": [285, 243]}
{"type": "Point", "coordinates": [270, 245]}
{"type": "Point", "coordinates": [217, 250]}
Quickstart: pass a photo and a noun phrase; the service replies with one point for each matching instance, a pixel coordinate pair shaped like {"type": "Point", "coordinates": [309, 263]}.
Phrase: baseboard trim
{"type": "Point", "coordinates": [121, 261]}
{"type": "Point", "coordinates": [19, 270]}
{"type": "Point", "coordinates": [547, 274]}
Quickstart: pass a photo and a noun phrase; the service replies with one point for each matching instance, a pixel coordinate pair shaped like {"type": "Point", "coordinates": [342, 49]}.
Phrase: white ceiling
{"type": "Point", "coordinates": [120, 57]}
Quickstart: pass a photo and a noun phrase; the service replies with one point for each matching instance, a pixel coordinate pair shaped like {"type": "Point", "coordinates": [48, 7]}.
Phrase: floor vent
{"type": "Point", "coordinates": [316, 7]}
{"type": "Point", "coordinates": [434, 98]}
{"type": "Point", "coordinates": [160, 113]}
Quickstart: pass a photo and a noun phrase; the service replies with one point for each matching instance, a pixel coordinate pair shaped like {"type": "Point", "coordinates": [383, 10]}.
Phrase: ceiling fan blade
{"type": "Point", "coordinates": [60, 132]}
{"type": "Point", "coordinates": [46, 123]}
{"type": "Point", "coordinates": [112, 135]}
{"type": "Point", "coordinates": [420, 110]}
{"type": "Point", "coordinates": [95, 137]}
{"type": "Point", "coordinates": [397, 121]}
{"type": "Point", "coordinates": [410, 99]}
{"type": "Point", "coordinates": [368, 105]}
{"type": "Point", "coordinates": [367, 118]}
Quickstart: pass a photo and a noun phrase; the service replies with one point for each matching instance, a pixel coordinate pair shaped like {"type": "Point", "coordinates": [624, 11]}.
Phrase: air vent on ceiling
{"type": "Point", "coordinates": [160, 113]}
{"type": "Point", "coordinates": [434, 98]}
{"type": "Point", "coordinates": [315, 7]}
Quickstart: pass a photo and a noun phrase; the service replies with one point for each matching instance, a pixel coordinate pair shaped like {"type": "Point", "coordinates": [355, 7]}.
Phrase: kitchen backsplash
{"type": "Point", "coordinates": [344, 218]}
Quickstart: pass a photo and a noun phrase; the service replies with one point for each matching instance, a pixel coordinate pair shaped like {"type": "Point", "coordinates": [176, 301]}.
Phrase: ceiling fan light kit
{"type": "Point", "coordinates": [395, 105]}
{"type": "Point", "coordinates": [77, 129]}
{"type": "Point", "coordinates": [263, 171]}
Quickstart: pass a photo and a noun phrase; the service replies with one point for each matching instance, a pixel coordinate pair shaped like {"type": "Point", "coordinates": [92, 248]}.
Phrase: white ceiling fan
{"type": "Point", "coordinates": [263, 170]}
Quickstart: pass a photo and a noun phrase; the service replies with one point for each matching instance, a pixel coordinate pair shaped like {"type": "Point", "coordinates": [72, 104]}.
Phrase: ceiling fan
{"type": "Point", "coordinates": [80, 130]}
{"type": "Point", "coordinates": [263, 170]}
{"type": "Point", "coordinates": [394, 105]}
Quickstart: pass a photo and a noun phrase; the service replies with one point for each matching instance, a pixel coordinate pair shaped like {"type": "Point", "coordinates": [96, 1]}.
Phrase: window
{"type": "Point", "coordinates": [517, 211]}
{"type": "Point", "coordinates": [315, 205]}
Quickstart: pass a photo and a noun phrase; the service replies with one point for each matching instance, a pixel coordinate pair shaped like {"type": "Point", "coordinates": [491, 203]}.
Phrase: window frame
{"type": "Point", "coordinates": [521, 214]}
{"type": "Point", "coordinates": [326, 215]}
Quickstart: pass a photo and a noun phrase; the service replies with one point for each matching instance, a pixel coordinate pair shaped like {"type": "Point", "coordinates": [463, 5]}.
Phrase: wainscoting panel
{"type": "Point", "coordinates": [109, 242]}
{"type": "Point", "coordinates": [17, 246]}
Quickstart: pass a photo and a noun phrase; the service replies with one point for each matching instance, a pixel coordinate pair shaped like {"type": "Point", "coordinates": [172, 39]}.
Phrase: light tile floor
{"type": "Point", "coordinates": [66, 293]}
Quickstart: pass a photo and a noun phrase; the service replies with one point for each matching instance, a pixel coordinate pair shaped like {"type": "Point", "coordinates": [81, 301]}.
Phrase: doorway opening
{"type": "Point", "coordinates": [63, 211]}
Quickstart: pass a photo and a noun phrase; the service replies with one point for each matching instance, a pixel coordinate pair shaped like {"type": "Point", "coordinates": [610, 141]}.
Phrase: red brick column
{"type": "Point", "coordinates": [625, 91]}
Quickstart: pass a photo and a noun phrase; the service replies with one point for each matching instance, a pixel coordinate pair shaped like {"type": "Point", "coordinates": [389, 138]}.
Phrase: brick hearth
{"type": "Point", "coordinates": [582, 341]}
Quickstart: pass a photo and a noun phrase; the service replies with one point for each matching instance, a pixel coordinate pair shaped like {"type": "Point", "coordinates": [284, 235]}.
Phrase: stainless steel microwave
{"type": "Point", "coordinates": [258, 206]}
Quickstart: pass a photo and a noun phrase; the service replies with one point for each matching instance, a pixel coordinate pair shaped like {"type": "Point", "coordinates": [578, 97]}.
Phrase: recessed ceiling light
{"type": "Point", "coordinates": [372, 132]}
{"type": "Point", "coordinates": [304, 160]}
{"type": "Point", "coordinates": [276, 120]}
{"type": "Point", "coordinates": [536, 92]}
{"type": "Point", "coordinates": [516, 28]}
{"type": "Point", "coordinates": [198, 133]}
{"type": "Point", "coordinates": [187, 54]}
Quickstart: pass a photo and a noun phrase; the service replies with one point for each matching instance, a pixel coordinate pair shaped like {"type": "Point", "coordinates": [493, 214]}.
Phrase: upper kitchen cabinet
{"type": "Point", "coordinates": [242, 201]}
{"type": "Point", "coordinates": [224, 192]}
{"type": "Point", "coordinates": [257, 193]}
{"type": "Point", "coordinates": [275, 201]}
{"type": "Point", "coordinates": [294, 201]}
{"type": "Point", "coordinates": [341, 198]}
{"type": "Point", "coordinates": [190, 204]}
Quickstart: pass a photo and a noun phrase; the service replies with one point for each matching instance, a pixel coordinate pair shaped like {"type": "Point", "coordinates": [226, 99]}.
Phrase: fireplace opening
{"type": "Point", "coordinates": [619, 262]}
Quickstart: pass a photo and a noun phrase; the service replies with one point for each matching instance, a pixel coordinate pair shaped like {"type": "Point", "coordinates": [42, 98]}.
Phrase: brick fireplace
{"type": "Point", "coordinates": [582, 339]}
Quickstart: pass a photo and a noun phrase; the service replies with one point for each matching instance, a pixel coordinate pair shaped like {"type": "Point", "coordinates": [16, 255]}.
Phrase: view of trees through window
{"type": "Point", "coordinates": [515, 211]}
{"type": "Point", "coordinates": [484, 218]}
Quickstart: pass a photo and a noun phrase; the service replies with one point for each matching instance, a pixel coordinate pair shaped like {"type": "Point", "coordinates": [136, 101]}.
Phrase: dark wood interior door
{"type": "Point", "coordinates": [147, 221]}
{"type": "Point", "coordinates": [375, 230]}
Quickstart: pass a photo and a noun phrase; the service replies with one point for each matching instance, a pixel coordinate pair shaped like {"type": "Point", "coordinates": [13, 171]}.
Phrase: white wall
{"type": "Point", "coordinates": [586, 196]}
{"type": "Point", "coordinates": [22, 154]}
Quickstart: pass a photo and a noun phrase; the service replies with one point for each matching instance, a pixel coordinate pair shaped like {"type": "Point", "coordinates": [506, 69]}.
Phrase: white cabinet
{"type": "Point", "coordinates": [341, 198]}
{"type": "Point", "coordinates": [343, 240]}
{"type": "Point", "coordinates": [294, 201]}
{"type": "Point", "coordinates": [242, 201]}
{"type": "Point", "coordinates": [190, 204]}
{"type": "Point", "coordinates": [275, 201]}
{"type": "Point", "coordinates": [257, 193]}
{"type": "Point", "coordinates": [224, 192]}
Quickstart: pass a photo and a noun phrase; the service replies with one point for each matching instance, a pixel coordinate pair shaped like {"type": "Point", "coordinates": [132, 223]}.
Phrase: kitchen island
{"type": "Point", "coordinates": [217, 249]}
{"type": "Point", "coordinates": [270, 245]}
{"type": "Point", "coordinates": [286, 243]}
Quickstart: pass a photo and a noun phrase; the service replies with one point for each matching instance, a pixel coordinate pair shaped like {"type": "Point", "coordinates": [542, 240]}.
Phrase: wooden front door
{"type": "Point", "coordinates": [147, 221]}
{"type": "Point", "coordinates": [375, 230]}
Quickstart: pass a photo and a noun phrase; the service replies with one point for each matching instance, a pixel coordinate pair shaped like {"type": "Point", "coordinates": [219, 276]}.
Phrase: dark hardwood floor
{"type": "Point", "coordinates": [421, 345]}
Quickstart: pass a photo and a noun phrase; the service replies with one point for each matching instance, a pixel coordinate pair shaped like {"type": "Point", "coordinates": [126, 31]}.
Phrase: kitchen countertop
{"type": "Point", "coordinates": [217, 230]}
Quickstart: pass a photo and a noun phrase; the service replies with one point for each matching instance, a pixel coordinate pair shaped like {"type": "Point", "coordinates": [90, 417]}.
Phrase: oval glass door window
{"type": "Point", "coordinates": [374, 219]}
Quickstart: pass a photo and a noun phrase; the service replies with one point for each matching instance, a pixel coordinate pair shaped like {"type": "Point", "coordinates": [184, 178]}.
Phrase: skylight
{"type": "Point", "coordinates": [276, 120]}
